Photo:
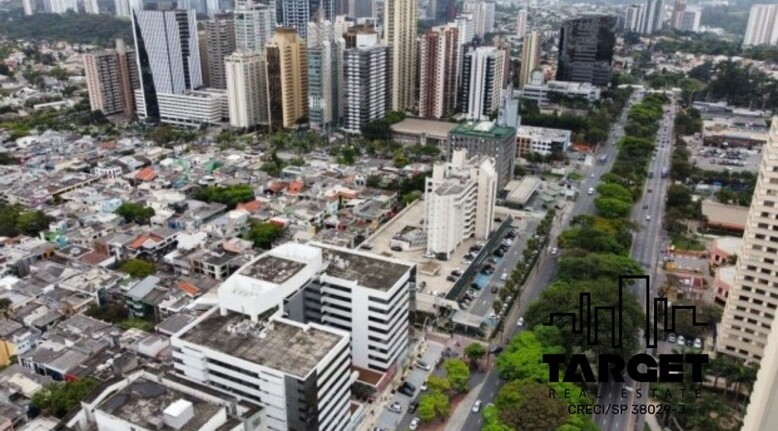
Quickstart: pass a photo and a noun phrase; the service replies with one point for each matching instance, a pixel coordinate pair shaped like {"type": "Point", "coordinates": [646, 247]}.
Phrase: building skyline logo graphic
{"type": "Point", "coordinates": [586, 316]}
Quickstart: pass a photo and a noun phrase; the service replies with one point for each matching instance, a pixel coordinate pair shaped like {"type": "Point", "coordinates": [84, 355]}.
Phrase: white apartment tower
{"type": "Point", "coordinates": [690, 20]}
{"type": "Point", "coordinates": [521, 23]}
{"type": "Point", "coordinates": [752, 302]}
{"type": "Point", "coordinates": [530, 57]}
{"type": "Point", "coordinates": [483, 16]}
{"type": "Point", "coordinates": [762, 414]}
{"type": "Point", "coordinates": [323, 56]}
{"type": "Point", "coordinates": [253, 25]}
{"type": "Point", "coordinates": [400, 35]}
{"type": "Point", "coordinates": [762, 25]}
{"type": "Point", "coordinates": [634, 18]}
{"type": "Point", "coordinates": [459, 201]}
{"type": "Point", "coordinates": [483, 70]}
{"type": "Point", "coordinates": [653, 17]}
{"type": "Point", "coordinates": [245, 92]}
{"type": "Point", "coordinates": [367, 72]}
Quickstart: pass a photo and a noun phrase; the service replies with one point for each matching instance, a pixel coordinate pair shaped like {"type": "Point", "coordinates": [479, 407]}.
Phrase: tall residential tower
{"type": "Point", "coordinates": [400, 35]}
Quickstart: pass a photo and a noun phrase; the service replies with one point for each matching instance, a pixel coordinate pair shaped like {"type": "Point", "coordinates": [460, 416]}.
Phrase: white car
{"type": "Point", "coordinates": [395, 407]}
{"type": "Point", "coordinates": [423, 386]}
{"type": "Point", "coordinates": [681, 340]}
{"type": "Point", "coordinates": [477, 406]}
{"type": "Point", "coordinates": [414, 425]}
{"type": "Point", "coordinates": [648, 217]}
{"type": "Point", "coordinates": [554, 250]}
{"type": "Point", "coordinates": [697, 343]}
{"type": "Point", "coordinates": [520, 323]}
{"type": "Point", "coordinates": [504, 276]}
{"type": "Point", "coordinates": [671, 338]}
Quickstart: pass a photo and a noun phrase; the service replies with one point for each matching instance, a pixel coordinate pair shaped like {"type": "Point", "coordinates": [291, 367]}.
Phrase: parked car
{"type": "Point", "coordinates": [414, 425]}
{"type": "Point", "coordinates": [395, 407]}
{"type": "Point", "coordinates": [477, 406]}
{"type": "Point", "coordinates": [423, 365]}
{"type": "Point", "coordinates": [681, 340]}
{"type": "Point", "coordinates": [554, 250]}
{"type": "Point", "coordinates": [671, 338]}
{"type": "Point", "coordinates": [412, 407]}
{"type": "Point", "coordinates": [408, 392]}
{"type": "Point", "coordinates": [504, 276]}
{"type": "Point", "coordinates": [520, 322]}
{"type": "Point", "coordinates": [423, 386]}
{"type": "Point", "coordinates": [495, 289]}
{"type": "Point", "coordinates": [697, 343]}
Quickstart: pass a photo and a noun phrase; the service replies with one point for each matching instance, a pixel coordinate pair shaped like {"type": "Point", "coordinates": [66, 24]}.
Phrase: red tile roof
{"type": "Point", "coordinates": [188, 288]}
{"type": "Point", "coordinates": [146, 174]}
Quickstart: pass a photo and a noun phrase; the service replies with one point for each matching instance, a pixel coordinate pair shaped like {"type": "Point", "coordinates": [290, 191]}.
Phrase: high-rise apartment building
{"type": "Point", "coordinates": [323, 58]}
{"type": "Point", "coordinates": [361, 8]}
{"type": "Point", "coordinates": [246, 95]}
{"type": "Point", "coordinates": [466, 28]}
{"type": "Point", "coordinates": [459, 201]}
{"type": "Point", "coordinates": [254, 22]}
{"type": "Point", "coordinates": [483, 16]}
{"type": "Point", "coordinates": [62, 6]}
{"type": "Point", "coordinates": [521, 23]}
{"type": "Point", "coordinates": [400, 35]}
{"type": "Point", "coordinates": [367, 71]}
{"type": "Point", "coordinates": [297, 13]}
{"type": "Point", "coordinates": [439, 55]}
{"type": "Point", "coordinates": [483, 70]}
{"type": "Point", "coordinates": [91, 7]}
{"type": "Point", "coordinates": [653, 17]}
{"type": "Point", "coordinates": [287, 79]}
{"type": "Point", "coordinates": [124, 8]}
{"type": "Point", "coordinates": [753, 299]}
{"type": "Point", "coordinates": [762, 25]}
{"type": "Point", "coordinates": [168, 54]}
{"type": "Point", "coordinates": [530, 57]}
{"type": "Point", "coordinates": [634, 18]}
{"type": "Point", "coordinates": [586, 50]}
{"type": "Point", "coordinates": [690, 20]}
{"type": "Point", "coordinates": [678, 8]}
{"type": "Point", "coordinates": [30, 7]}
{"type": "Point", "coordinates": [111, 77]}
{"type": "Point", "coordinates": [220, 40]}
{"type": "Point", "coordinates": [441, 11]}
{"type": "Point", "coordinates": [762, 414]}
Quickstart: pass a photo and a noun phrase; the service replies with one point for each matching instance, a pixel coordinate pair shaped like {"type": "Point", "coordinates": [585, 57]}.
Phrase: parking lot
{"type": "Point", "coordinates": [432, 273]}
{"type": "Point", "coordinates": [734, 159]}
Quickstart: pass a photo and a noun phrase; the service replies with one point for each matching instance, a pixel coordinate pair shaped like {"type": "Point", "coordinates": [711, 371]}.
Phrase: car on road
{"type": "Point", "coordinates": [591, 176]}
{"type": "Point", "coordinates": [412, 407]}
{"type": "Point", "coordinates": [650, 190]}
{"type": "Point", "coordinates": [504, 276]}
{"type": "Point", "coordinates": [407, 389]}
{"type": "Point", "coordinates": [423, 365]}
{"type": "Point", "coordinates": [423, 386]}
{"type": "Point", "coordinates": [671, 338]}
{"type": "Point", "coordinates": [495, 289]}
{"type": "Point", "coordinates": [681, 340]}
{"type": "Point", "coordinates": [477, 406]}
{"type": "Point", "coordinates": [697, 343]}
{"type": "Point", "coordinates": [414, 425]}
{"type": "Point", "coordinates": [645, 207]}
{"type": "Point", "coordinates": [520, 322]}
{"type": "Point", "coordinates": [591, 191]}
{"type": "Point", "coordinates": [554, 250]}
{"type": "Point", "coordinates": [395, 407]}
{"type": "Point", "coordinates": [648, 217]}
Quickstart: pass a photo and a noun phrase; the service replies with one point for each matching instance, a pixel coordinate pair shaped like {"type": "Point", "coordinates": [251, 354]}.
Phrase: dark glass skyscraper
{"type": "Point", "coordinates": [586, 49]}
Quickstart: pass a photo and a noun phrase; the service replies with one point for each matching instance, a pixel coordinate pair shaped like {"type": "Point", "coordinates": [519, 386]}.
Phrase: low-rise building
{"type": "Point", "coordinates": [412, 131]}
{"type": "Point", "coordinates": [724, 216]}
{"type": "Point", "coordinates": [556, 91]}
{"type": "Point", "coordinates": [191, 108]}
{"type": "Point", "coordinates": [541, 140]}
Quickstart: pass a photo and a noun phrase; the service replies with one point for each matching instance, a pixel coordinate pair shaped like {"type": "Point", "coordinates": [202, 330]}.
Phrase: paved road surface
{"type": "Point", "coordinates": [646, 250]}
{"type": "Point", "coordinates": [546, 268]}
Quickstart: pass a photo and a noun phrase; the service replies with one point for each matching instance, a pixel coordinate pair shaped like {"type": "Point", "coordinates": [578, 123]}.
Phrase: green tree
{"type": "Point", "coordinates": [263, 234]}
{"type": "Point", "coordinates": [458, 374]}
{"type": "Point", "coordinates": [475, 351]}
{"type": "Point", "coordinates": [135, 213]}
{"type": "Point", "coordinates": [678, 196]}
{"type": "Point", "coordinates": [526, 405]}
{"type": "Point", "coordinates": [437, 383]}
{"type": "Point", "coordinates": [433, 405]}
{"type": "Point", "coordinates": [562, 296]}
{"type": "Point", "coordinates": [138, 268]}
{"type": "Point", "coordinates": [596, 265]}
{"type": "Point", "coordinates": [230, 195]}
{"type": "Point", "coordinates": [615, 191]}
{"type": "Point", "coordinates": [58, 399]}
{"type": "Point", "coordinates": [523, 356]}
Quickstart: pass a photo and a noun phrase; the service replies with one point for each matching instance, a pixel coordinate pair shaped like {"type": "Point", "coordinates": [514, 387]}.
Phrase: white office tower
{"type": "Point", "coordinates": [753, 299]}
{"type": "Point", "coordinates": [466, 28]}
{"type": "Point", "coordinates": [459, 201]}
{"type": "Point", "coordinates": [521, 23]}
{"type": "Point", "coordinates": [91, 7]}
{"type": "Point", "coordinates": [245, 93]}
{"type": "Point", "coordinates": [483, 16]}
{"type": "Point", "coordinates": [168, 55]}
{"type": "Point", "coordinates": [762, 25]}
{"type": "Point", "coordinates": [368, 79]}
{"type": "Point", "coordinates": [400, 34]}
{"type": "Point", "coordinates": [762, 413]}
{"type": "Point", "coordinates": [323, 56]}
{"type": "Point", "coordinates": [483, 70]}
{"type": "Point", "coordinates": [124, 8]}
{"type": "Point", "coordinates": [253, 25]}
{"type": "Point", "coordinates": [355, 309]}
{"type": "Point", "coordinates": [634, 18]}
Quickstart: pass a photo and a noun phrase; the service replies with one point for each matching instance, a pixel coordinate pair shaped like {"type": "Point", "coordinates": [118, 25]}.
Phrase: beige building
{"type": "Point", "coordinates": [245, 92]}
{"type": "Point", "coordinates": [762, 414]}
{"type": "Point", "coordinates": [400, 34]}
{"type": "Point", "coordinates": [111, 77]}
{"type": "Point", "coordinates": [752, 303]}
{"type": "Point", "coordinates": [530, 56]}
{"type": "Point", "coordinates": [287, 77]}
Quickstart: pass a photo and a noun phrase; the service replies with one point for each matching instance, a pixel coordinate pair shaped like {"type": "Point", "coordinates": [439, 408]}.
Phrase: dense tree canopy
{"type": "Point", "coordinates": [262, 234]}
{"type": "Point", "coordinates": [59, 398]}
{"type": "Point", "coordinates": [588, 266]}
{"type": "Point", "coordinates": [227, 195]}
{"type": "Point", "coordinates": [72, 27]}
{"type": "Point", "coordinates": [138, 268]}
{"type": "Point", "coordinates": [135, 213]}
{"type": "Point", "coordinates": [17, 220]}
